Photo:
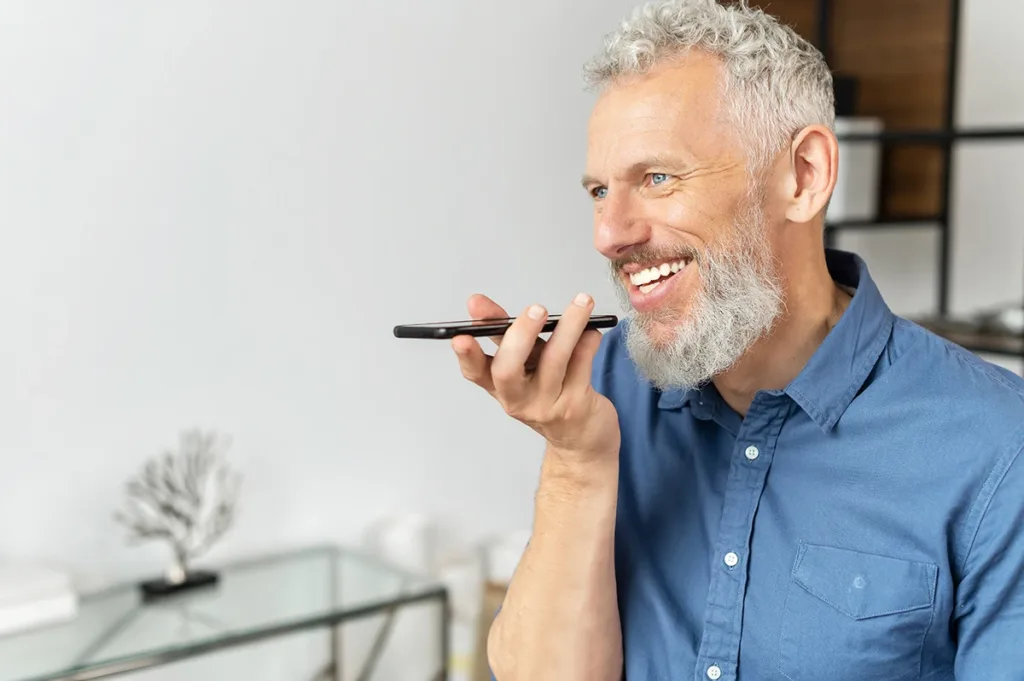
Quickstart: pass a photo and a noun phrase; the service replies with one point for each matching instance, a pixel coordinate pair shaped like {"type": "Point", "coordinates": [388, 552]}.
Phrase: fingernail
{"type": "Point", "coordinates": [581, 299]}
{"type": "Point", "coordinates": [535, 312]}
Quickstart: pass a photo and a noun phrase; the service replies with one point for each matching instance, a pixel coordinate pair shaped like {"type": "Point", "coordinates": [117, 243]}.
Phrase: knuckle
{"type": "Point", "coordinates": [514, 410]}
{"type": "Point", "coordinates": [470, 372]}
{"type": "Point", "coordinates": [520, 410]}
{"type": "Point", "coordinates": [573, 410]}
{"type": "Point", "coordinates": [570, 414]}
{"type": "Point", "coordinates": [474, 378]}
{"type": "Point", "coordinates": [503, 375]}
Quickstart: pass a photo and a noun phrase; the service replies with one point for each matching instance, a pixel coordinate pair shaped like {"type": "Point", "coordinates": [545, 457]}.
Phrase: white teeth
{"type": "Point", "coordinates": [644, 277]}
{"type": "Point", "coordinates": [650, 287]}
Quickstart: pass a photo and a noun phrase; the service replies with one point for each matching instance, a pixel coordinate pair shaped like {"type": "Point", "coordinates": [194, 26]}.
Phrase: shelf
{"type": "Point", "coordinates": [887, 221]}
{"type": "Point", "coordinates": [934, 136]}
{"type": "Point", "coordinates": [967, 336]}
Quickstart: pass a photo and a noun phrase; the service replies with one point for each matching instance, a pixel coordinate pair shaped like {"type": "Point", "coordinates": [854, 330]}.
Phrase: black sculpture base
{"type": "Point", "coordinates": [156, 589]}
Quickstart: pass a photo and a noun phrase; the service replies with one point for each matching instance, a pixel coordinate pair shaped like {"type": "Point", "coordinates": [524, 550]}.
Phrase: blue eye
{"type": "Point", "coordinates": [600, 192]}
{"type": "Point", "coordinates": [658, 178]}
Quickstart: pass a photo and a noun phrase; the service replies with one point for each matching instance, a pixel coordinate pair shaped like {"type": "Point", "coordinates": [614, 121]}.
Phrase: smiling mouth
{"type": "Point", "coordinates": [650, 278]}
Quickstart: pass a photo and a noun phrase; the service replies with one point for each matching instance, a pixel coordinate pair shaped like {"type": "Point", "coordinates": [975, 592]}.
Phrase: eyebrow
{"type": "Point", "coordinates": [656, 161]}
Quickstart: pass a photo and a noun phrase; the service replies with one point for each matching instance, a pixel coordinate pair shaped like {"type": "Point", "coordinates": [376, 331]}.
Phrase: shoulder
{"type": "Point", "coordinates": [960, 404]}
{"type": "Point", "coordinates": [947, 371]}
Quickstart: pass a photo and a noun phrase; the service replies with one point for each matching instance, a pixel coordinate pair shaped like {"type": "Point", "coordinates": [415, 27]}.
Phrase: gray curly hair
{"type": "Point", "coordinates": [775, 83]}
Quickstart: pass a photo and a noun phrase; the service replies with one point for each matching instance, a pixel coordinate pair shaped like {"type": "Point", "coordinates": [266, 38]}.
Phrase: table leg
{"type": "Point", "coordinates": [446, 652]}
{"type": "Point", "coordinates": [337, 672]}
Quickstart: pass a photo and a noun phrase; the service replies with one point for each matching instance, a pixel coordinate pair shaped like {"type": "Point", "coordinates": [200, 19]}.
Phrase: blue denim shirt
{"type": "Point", "coordinates": [866, 523]}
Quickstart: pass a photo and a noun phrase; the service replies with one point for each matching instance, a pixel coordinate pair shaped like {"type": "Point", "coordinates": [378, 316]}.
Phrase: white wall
{"type": "Point", "coordinates": [214, 212]}
{"type": "Point", "coordinates": [988, 215]}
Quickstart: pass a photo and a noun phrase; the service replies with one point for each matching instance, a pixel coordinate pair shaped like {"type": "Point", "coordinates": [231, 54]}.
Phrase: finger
{"type": "Point", "coordinates": [509, 366]}
{"type": "Point", "coordinates": [474, 363]}
{"type": "Point", "coordinates": [581, 365]}
{"type": "Point", "coordinates": [534, 359]}
{"type": "Point", "coordinates": [482, 307]}
{"type": "Point", "coordinates": [551, 370]}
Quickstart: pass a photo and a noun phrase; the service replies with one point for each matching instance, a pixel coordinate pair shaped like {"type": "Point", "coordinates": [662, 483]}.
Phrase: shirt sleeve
{"type": "Point", "coordinates": [989, 620]}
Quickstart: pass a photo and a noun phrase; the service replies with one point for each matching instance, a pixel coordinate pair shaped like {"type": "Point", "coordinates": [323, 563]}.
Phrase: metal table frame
{"type": "Point", "coordinates": [83, 671]}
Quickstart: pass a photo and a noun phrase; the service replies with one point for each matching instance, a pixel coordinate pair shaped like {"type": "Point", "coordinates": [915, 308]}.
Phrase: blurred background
{"type": "Point", "coordinates": [215, 211]}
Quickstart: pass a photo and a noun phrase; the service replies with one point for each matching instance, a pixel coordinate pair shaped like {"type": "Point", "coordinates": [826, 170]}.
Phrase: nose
{"type": "Point", "coordinates": [619, 227]}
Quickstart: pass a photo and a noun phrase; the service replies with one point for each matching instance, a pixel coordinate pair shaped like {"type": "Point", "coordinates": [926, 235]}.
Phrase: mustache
{"type": "Point", "coordinates": [646, 254]}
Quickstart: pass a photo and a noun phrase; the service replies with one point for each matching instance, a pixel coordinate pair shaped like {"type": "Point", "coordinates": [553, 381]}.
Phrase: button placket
{"type": "Point", "coordinates": [719, 650]}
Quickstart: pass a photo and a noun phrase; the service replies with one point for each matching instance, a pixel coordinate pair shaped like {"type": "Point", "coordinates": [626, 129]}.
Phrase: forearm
{"type": "Point", "coordinates": [560, 617]}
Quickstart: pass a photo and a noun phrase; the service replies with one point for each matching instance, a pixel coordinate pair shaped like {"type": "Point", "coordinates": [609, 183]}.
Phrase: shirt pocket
{"type": "Point", "coordinates": [852, 615]}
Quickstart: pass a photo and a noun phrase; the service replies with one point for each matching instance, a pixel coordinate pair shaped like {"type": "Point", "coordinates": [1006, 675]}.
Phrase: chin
{"type": "Point", "coordinates": [662, 325]}
{"type": "Point", "coordinates": [661, 330]}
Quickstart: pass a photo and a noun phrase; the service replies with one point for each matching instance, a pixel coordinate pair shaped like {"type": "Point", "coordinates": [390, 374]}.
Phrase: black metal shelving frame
{"type": "Point", "coordinates": [946, 138]}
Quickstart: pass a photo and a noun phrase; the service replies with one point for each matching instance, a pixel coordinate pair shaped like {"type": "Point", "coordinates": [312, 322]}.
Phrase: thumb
{"type": "Point", "coordinates": [482, 307]}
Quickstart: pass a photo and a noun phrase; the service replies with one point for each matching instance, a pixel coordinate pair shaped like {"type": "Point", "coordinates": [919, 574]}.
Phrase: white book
{"type": "Point", "coordinates": [33, 596]}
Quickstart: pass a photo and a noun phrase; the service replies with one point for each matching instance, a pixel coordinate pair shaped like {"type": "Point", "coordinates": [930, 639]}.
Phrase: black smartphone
{"type": "Point", "coordinates": [487, 327]}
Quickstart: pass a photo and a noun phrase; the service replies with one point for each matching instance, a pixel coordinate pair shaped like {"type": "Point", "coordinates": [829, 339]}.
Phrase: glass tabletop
{"type": "Point", "coordinates": [252, 600]}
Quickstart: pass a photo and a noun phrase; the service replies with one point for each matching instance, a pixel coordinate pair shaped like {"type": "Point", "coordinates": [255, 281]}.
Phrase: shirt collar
{"type": "Point", "coordinates": [849, 353]}
{"type": "Point", "coordinates": [842, 363]}
{"type": "Point", "coordinates": [701, 400]}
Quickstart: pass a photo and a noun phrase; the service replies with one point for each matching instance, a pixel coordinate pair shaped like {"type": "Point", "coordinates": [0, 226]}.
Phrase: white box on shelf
{"type": "Point", "coordinates": [33, 596]}
{"type": "Point", "coordinates": [855, 196]}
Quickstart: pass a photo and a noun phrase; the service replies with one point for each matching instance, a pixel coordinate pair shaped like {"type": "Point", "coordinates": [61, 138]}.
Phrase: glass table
{"type": "Point", "coordinates": [115, 632]}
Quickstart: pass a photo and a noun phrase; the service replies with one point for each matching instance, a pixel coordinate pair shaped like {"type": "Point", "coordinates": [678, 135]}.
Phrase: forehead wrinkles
{"type": "Point", "coordinates": [632, 151]}
{"type": "Point", "coordinates": [637, 124]}
{"type": "Point", "coordinates": [621, 144]}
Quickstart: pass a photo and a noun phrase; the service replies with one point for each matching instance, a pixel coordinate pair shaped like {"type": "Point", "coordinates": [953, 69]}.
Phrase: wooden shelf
{"type": "Point", "coordinates": [884, 222]}
{"type": "Point", "coordinates": [935, 136]}
{"type": "Point", "coordinates": [902, 58]}
{"type": "Point", "coordinates": [897, 53]}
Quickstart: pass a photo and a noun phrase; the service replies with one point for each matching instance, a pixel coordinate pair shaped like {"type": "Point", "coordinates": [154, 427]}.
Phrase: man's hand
{"type": "Point", "coordinates": [559, 619]}
{"type": "Point", "coordinates": [545, 385]}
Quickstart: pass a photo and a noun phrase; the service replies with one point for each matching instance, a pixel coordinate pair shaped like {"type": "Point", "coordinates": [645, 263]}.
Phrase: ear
{"type": "Point", "coordinates": [813, 167]}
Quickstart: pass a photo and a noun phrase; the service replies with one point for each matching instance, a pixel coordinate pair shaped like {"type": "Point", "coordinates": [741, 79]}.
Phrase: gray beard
{"type": "Point", "coordinates": [738, 301]}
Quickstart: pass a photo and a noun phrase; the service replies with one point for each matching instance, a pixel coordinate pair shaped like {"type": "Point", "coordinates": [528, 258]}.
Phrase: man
{"type": "Point", "coordinates": [762, 473]}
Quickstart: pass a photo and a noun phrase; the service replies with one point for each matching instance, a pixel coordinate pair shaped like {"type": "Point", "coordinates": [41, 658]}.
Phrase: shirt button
{"type": "Point", "coordinates": [714, 673]}
{"type": "Point", "coordinates": [752, 452]}
{"type": "Point", "coordinates": [731, 559]}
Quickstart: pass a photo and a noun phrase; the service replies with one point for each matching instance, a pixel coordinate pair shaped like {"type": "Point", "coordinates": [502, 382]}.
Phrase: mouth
{"type": "Point", "coordinates": [651, 283]}
{"type": "Point", "coordinates": [650, 278]}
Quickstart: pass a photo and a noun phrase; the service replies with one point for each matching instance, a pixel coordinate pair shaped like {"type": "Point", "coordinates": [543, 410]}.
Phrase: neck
{"type": "Point", "coordinates": [814, 305]}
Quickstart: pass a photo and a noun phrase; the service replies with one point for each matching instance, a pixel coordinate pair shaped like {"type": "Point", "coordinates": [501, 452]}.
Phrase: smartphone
{"type": "Point", "coordinates": [487, 327]}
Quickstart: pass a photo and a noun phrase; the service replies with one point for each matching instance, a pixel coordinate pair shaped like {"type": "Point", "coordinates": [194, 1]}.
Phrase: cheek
{"type": "Point", "coordinates": [709, 217]}
{"type": "Point", "coordinates": [686, 213]}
